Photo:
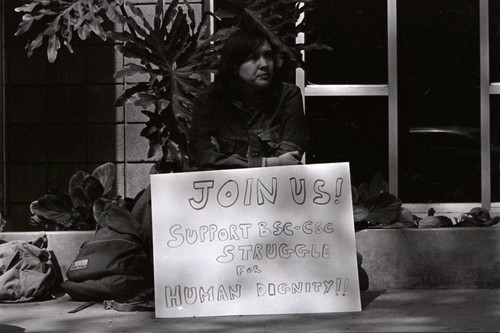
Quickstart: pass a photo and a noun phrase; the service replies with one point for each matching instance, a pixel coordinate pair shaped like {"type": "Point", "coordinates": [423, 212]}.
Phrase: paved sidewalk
{"type": "Point", "coordinates": [441, 310]}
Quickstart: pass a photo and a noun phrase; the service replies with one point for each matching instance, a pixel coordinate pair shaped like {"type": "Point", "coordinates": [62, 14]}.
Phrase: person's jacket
{"type": "Point", "coordinates": [224, 135]}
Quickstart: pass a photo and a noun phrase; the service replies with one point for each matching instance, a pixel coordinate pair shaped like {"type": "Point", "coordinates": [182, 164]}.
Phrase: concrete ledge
{"type": "Point", "coordinates": [65, 244]}
{"type": "Point", "coordinates": [459, 258]}
{"type": "Point", "coordinates": [431, 258]}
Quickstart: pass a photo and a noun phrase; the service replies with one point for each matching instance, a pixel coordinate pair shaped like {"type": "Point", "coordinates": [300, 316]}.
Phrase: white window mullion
{"type": "Point", "coordinates": [485, 105]}
{"type": "Point", "coordinates": [495, 88]}
{"type": "Point", "coordinates": [3, 177]}
{"type": "Point", "coordinates": [347, 90]}
{"type": "Point", "coordinates": [392, 58]}
{"type": "Point", "coordinates": [390, 90]}
{"type": "Point", "coordinates": [300, 76]}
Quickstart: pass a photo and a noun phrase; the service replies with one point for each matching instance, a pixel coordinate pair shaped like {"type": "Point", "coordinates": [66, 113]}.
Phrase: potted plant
{"type": "Point", "coordinates": [178, 54]}
{"type": "Point", "coordinates": [179, 57]}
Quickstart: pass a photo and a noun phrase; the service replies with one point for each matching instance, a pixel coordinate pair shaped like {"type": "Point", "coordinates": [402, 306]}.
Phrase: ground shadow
{"type": "Point", "coordinates": [11, 329]}
{"type": "Point", "coordinates": [369, 296]}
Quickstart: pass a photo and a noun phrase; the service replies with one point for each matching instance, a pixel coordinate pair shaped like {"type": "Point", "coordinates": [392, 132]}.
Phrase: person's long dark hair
{"type": "Point", "coordinates": [239, 47]}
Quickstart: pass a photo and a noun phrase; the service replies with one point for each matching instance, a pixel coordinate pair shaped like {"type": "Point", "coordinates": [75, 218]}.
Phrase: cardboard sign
{"type": "Point", "coordinates": [254, 241]}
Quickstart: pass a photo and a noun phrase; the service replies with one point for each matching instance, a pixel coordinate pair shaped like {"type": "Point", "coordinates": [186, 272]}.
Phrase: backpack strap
{"type": "Point", "coordinates": [129, 307]}
{"type": "Point", "coordinates": [81, 307]}
{"type": "Point", "coordinates": [144, 301]}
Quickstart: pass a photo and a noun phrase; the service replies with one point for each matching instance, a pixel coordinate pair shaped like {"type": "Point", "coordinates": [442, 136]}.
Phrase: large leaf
{"type": "Point", "coordinates": [132, 69]}
{"type": "Point", "coordinates": [79, 197]}
{"type": "Point", "coordinates": [383, 208]}
{"type": "Point", "coordinates": [360, 213]}
{"type": "Point", "coordinates": [376, 186]}
{"type": "Point", "coordinates": [27, 8]}
{"type": "Point", "coordinates": [131, 50]}
{"type": "Point", "coordinates": [61, 18]}
{"type": "Point", "coordinates": [128, 94]}
{"type": "Point", "coordinates": [25, 24]}
{"type": "Point", "coordinates": [93, 188]}
{"type": "Point", "coordinates": [50, 207]}
{"type": "Point", "coordinates": [138, 13]}
{"type": "Point", "coordinates": [52, 48]}
{"type": "Point", "coordinates": [75, 181]}
{"type": "Point", "coordinates": [105, 174]}
{"type": "Point", "coordinates": [63, 197]}
{"type": "Point", "coordinates": [406, 217]}
{"type": "Point", "coordinates": [132, 24]}
{"type": "Point", "coordinates": [354, 194]}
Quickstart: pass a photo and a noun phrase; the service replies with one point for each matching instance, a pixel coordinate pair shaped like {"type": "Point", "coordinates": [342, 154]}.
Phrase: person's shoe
{"type": "Point", "coordinates": [363, 279]}
{"type": "Point", "coordinates": [364, 282]}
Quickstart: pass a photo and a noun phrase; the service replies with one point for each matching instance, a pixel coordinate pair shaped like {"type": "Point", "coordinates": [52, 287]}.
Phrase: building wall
{"type": "Point", "coordinates": [60, 118]}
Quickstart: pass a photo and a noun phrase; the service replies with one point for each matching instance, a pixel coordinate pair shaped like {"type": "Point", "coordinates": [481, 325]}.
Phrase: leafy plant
{"type": "Point", "coordinates": [476, 217]}
{"type": "Point", "coordinates": [73, 210]}
{"type": "Point", "coordinates": [3, 223]}
{"type": "Point", "coordinates": [179, 62]}
{"type": "Point", "coordinates": [177, 54]}
{"type": "Point", "coordinates": [278, 19]}
{"type": "Point", "coordinates": [60, 19]}
{"type": "Point", "coordinates": [373, 204]}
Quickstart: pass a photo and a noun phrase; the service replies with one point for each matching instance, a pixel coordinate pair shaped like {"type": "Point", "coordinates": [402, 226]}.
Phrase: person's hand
{"type": "Point", "coordinates": [290, 158]}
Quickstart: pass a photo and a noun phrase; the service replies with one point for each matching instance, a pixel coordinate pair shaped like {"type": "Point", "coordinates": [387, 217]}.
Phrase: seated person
{"type": "Point", "coordinates": [247, 118]}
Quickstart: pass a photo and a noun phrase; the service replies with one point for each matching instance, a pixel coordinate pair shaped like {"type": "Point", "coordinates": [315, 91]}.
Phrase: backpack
{"type": "Point", "coordinates": [28, 271]}
{"type": "Point", "coordinates": [114, 265]}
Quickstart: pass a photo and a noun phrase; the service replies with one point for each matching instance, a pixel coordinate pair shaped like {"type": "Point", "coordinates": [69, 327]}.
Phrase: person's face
{"type": "Point", "coordinates": [257, 70]}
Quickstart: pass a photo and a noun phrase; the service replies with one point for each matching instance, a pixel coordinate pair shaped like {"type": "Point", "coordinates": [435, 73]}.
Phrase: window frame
{"type": "Point", "coordinates": [3, 176]}
{"type": "Point", "coordinates": [390, 90]}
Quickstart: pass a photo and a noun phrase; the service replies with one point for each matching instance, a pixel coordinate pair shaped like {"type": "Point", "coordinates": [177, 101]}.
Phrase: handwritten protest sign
{"type": "Point", "coordinates": [254, 241]}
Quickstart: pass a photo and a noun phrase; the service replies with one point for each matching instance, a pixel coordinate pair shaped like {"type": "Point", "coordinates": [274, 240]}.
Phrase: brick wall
{"type": "Point", "coordinates": [60, 118]}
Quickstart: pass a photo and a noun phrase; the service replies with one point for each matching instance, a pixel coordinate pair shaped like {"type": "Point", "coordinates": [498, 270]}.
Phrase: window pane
{"type": "Point", "coordinates": [357, 32]}
{"type": "Point", "coordinates": [494, 18]}
{"type": "Point", "coordinates": [495, 147]}
{"type": "Point", "coordinates": [349, 129]}
{"type": "Point", "coordinates": [438, 114]}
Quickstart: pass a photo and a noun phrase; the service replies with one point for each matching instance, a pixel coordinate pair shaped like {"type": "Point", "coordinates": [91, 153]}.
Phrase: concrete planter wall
{"type": "Point", "coordinates": [431, 258]}
{"type": "Point", "coordinates": [458, 258]}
